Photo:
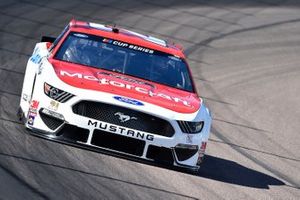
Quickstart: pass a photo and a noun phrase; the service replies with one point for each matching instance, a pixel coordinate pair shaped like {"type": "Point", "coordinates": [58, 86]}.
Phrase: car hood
{"type": "Point", "coordinates": [121, 85]}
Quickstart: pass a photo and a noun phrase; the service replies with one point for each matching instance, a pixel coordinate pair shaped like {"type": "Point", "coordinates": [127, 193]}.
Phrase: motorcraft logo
{"type": "Point", "coordinates": [106, 81]}
{"type": "Point", "coordinates": [127, 79]}
{"type": "Point", "coordinates": [120, 130]}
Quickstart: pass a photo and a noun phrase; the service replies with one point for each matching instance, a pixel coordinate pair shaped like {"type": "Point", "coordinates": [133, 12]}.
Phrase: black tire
{"type": "Point", "coordinates": [21, 116]}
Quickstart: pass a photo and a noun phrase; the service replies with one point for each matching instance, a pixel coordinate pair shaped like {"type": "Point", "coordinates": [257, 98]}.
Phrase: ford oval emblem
{"type": "Point", "coordinates": [129, 101]}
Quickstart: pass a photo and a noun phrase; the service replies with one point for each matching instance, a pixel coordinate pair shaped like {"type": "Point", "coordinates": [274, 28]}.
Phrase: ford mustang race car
{"type": "Point", "coordinates": [109, 89]}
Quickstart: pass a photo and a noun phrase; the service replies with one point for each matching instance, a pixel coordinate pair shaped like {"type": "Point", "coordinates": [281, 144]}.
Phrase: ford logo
{"type": "Point", "coordinates": [129, 101]}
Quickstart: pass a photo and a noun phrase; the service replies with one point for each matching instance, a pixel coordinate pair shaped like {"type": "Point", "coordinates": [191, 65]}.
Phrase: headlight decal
{"type": "Point", "coordinates": [183, 126]}
{"type": "Point", "coordinates": [191, 127]}
{"type": "Point", "coordinates": [57, 94]}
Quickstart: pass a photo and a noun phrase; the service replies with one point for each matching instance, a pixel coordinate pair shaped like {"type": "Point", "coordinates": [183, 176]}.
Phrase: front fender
{"type": "Point", "coordinates": [32, 69]}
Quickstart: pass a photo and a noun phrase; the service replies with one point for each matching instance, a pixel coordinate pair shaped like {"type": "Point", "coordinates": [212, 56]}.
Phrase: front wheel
{"type": "Point", "coordinates": [20, 115]}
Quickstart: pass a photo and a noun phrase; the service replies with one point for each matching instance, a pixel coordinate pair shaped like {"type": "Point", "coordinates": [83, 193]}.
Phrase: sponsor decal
{"type": "Point", "coordinates": [34, 104]}
{"type": "Point", "coordinates": [53, 105]}
{"type": "Point", "coordinates": [25, 97]}
{"type": "Point", "coordinates": [128, 46]}
{"type": "Point", "coordinates": [108, 82]}
{"type": "Point", "coordinates": [201, 152]}
{"type": "Point", "coordinates": [189, 138]}
{"type": "Point", "coordinates": [126, 79]}
{"type": "Point", "coordinates": [31, 117]}
{"type": "Point", "coordinates": [80, 35]}
{"type": "Point", "coordinates": [129, 101]}
{"type": "Point", "coordinates": [123, 117]}
{"type": "Point", "coordinates": [120, 130]}
{"type": "Point", "coordinates": [36, 59]}
{"type": "Point", "coordinates": [105, 40]}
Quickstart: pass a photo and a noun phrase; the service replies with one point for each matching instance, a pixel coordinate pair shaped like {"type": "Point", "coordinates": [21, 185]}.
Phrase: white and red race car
{"type": "Point", "coordinates": [106, 88]}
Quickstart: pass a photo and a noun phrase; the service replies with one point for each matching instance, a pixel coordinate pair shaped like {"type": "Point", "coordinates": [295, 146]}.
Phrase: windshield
{"type": "Point", "coordinates": [125, 58]}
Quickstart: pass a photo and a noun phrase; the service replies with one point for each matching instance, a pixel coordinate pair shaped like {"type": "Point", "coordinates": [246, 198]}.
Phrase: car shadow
{"type": "Point", "coordinates": [222, 170]}
{"type": "Point", "coordinates": [228, 171]}
{"type": "Point", "coordinates": [213, 168]}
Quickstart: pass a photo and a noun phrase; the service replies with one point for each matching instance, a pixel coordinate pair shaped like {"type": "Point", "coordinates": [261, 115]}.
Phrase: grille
{"type": "Point", "coordinates": [118, 142]}
{"type": "Point", "coordinates": [51, 122]}
{"type": "Point", "coordinates": [131, 118]}
{"type": "Point", "coordinates": [160, 154]}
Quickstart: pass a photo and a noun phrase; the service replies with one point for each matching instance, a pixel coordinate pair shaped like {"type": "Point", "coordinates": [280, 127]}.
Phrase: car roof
{"type": "Point", "coordinates": [124, 35]}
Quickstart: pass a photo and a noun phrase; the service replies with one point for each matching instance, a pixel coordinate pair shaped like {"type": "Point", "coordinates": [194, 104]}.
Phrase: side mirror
{"type": "Point", "coordinates": [48, 39]}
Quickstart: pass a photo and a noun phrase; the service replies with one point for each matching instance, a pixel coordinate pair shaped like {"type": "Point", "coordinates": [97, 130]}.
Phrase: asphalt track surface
{"type": "Point", "coordinates": [245, 59]}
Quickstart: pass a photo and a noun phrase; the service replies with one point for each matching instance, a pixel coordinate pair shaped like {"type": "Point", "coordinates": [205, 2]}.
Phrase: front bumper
{"type": "Point", "coordinates": [74, 136]}
{"type": "Point", "coordinates": [73, 130]}
{"type": "Point", "coordinates": [60, 123]}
